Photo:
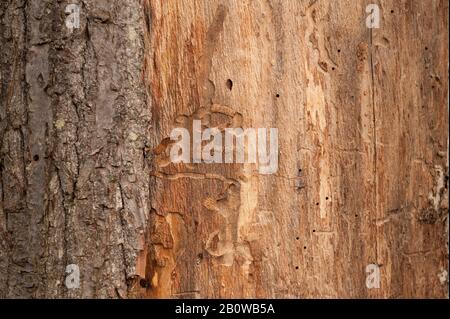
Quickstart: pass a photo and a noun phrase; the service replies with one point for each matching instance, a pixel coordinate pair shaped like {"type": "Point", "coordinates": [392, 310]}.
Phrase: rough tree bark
{"type": "Point", "coordinates": [74, 127]}
{"type": "Point", "coordinates": [85, 176]}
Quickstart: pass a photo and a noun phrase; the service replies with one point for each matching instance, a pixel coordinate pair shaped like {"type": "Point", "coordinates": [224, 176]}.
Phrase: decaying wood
{"type": "Point", "coordinates": [86, 178]}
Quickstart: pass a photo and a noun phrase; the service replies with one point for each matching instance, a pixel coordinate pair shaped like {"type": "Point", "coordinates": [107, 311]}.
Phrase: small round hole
{"type": "Point", "coordinates": [304, 247]}
{"type": "Point", "coordinates": [296, 267]}
{"type": "Point", "coordinates": [339, 50]}
{"type": "Point", "coordinates": [297, 238]}
{"type": "Point", "coordinates": [143, 283]}
{"type": "Point", "coordinates": [392, 11]}
{"type": "Point", "coordinates": [36, 158]}
{"type": "Point", "coordinates": [229, 84]}
{"type": "Point", "coordinates": [278, 95]}
{"type": "Point", "coordinates": [333, 68]}
{"type": "Point", "coordinates": [314, 230]}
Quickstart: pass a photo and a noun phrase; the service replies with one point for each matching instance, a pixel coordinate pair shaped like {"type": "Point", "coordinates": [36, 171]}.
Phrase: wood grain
{"type": "Point", "coordinates": [86, 178]}
{"type": "Point", "coordinates": [362, 119]}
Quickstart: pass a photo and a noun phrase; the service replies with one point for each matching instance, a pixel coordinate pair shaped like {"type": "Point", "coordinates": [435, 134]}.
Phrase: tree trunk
{"type": "Point", "coordinates": [86, 178]}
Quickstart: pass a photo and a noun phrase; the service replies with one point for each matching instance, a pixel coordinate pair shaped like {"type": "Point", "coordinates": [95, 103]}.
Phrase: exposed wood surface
{"type": "Point", "coordinates": [85, 176]}
{"type": "Point", "coordinates": [362, 119]}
